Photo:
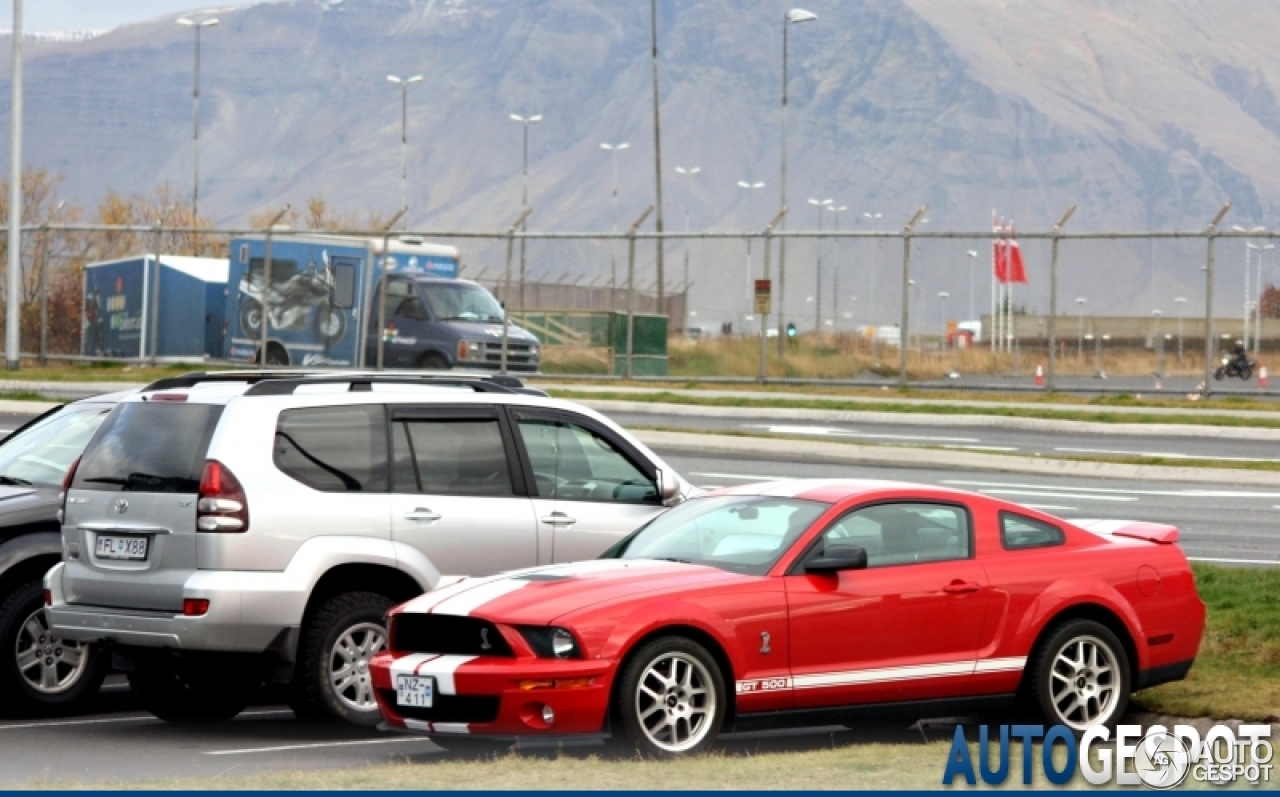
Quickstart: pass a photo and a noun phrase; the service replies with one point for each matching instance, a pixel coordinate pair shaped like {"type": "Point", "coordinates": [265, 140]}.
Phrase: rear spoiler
{"type": "Point", "coordinates": [1158, 533]}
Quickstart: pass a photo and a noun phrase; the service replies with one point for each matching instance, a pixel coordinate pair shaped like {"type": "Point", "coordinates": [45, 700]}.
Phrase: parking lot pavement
{"type": "Point", "coordinates": [119, 744]}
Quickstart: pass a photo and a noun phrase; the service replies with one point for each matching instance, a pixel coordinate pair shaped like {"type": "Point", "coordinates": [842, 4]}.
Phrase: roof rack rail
{"type": "Point", "coordinates": [365, 382]}
{"type": "Point", "coordinates": [205, 377]}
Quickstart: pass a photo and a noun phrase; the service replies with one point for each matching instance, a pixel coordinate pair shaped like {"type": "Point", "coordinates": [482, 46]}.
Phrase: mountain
{"type": "Point", "coordinates": [1148, 115]}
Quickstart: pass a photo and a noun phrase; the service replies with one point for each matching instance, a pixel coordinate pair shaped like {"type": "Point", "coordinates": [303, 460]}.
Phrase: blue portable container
{"type": "Point", "coordinates": [119, 311]}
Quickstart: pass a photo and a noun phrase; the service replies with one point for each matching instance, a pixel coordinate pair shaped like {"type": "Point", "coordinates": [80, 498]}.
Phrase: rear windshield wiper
{"type": "Point", "coordinates": [14, 481]}
{"type": "Point", "coordinates": [134, 480]}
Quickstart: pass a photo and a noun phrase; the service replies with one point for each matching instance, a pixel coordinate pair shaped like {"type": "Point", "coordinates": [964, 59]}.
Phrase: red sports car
{"type": "Point", "coordinates": [798, 603]}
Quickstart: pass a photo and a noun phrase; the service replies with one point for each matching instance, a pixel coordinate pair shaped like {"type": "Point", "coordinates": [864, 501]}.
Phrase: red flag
{"type": "Point", "coordinates": [1017, 273]}
{"type": "Point", "coordinates": [999, 252]}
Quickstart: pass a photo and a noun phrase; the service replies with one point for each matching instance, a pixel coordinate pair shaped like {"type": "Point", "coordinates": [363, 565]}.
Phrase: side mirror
{"type": "Point", "coordinates": [668, 484]}
{"type": "Point", "coordinates": [836, 558]}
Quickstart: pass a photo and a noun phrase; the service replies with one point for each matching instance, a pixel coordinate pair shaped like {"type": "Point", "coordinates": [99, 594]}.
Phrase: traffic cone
{"type": "Point", "coordinates": [1039, 376]}
{"type": "Point", "coordinates": [1262, 377]}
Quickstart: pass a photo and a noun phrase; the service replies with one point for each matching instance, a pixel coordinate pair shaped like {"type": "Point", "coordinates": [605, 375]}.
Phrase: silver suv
{"type": "Point", "coordinates": [222, 531]}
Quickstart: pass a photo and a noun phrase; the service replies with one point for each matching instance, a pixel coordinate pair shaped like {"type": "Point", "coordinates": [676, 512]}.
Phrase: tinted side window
{"type": "Point", "coordinates": [453, 456]}
{"type": "Point", "coordinates": [895, 534]}
{"type": "Point", "coordinates": [344, 285]}
{"type": "Point", "coordinates": [572, 463]}
{"type": "Point", "coordinates": [335, 449]}
{"type": "Point", "coordinates": [1018, 532]}
{"type": "Point", "coordinates": [150, 447]}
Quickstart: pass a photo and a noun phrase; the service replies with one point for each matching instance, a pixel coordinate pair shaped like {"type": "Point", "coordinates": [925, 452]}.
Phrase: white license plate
{"type": "Point", "coordinates": [121, 547]}
{"type": "Point", "coordinates": [415, 691]}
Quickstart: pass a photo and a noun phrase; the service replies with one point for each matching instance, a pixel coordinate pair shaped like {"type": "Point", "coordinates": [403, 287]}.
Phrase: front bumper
{"type": "Point", "coordinates": [483, 696]}
{"type": "Point", "coordinates": [248, 612]}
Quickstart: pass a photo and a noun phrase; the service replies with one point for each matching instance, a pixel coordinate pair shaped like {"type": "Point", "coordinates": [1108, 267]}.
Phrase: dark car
{"type": "Point", "coordinates": [38, 671]}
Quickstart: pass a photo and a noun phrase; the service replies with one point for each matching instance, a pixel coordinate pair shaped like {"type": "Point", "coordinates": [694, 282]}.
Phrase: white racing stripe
{"type": "Point", "coordinates": [1073, 496]}
{"type": "Point", "coordinates": [443, 668]}
{"type": "Point", "coordinates": [883, 675]}
{"type": "Point", "coordinates": [466, 602]}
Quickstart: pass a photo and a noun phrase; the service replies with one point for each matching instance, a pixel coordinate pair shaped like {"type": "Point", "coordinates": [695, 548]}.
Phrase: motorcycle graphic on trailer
{"type": "Point", "coordinates": [304, 300]}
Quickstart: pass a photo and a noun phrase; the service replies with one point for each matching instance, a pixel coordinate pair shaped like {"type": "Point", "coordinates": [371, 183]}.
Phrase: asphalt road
{"type": "Point", "coordinates": [991, 439]}
{"type": "Point", "coordinates": [116, 743]}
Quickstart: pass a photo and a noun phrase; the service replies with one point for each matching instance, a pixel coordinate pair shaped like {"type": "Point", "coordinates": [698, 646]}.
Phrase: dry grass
{"type": "Point", "coordinates": [851, 356]}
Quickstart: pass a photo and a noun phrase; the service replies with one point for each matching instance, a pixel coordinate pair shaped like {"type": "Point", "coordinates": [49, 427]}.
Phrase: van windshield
{"type": "Point", "coordinates": [461, 301]}
{"type": "Point", "coordinates": [149, 447]}
{"type": "Point", "coordinates": [40, 454]}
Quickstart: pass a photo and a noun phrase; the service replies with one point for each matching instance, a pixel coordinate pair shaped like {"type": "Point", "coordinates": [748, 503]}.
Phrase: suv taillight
{"type": "Point", "coordinates": [66, 490]}
{"type": "Point", "coordinates": [222, 506]}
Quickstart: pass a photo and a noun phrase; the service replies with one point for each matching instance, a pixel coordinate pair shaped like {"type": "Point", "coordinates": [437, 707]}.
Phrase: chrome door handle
{"type": "Point", "coordinates": [559, 519]}
{"type": "Point", "coordinates": [423, 514]}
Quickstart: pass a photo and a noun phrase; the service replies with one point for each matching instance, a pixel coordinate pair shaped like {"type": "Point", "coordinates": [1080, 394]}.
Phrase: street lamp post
{"type": "Point", "coordinates": [1248, 246]}
{"type": "Point", "coordinates": [819, 204]}
{"type": "Point", "coordinates": [195, 115]}
{"type": "Point", "coordinates": [835, 272]}
{"type": "Point", "coordinates": [404, 134]}
{"type": "Point", "coordinates": [524, 121]}
{"type": "Point", "coordinates": [751, 189]}
{"type": "Point", "coordinates": [947, 340]}
{"type": "Point", "coordinates": [1080, 303]}
{"type": "Point", "coordinates": [973, 258]}
{"type": "Point", "coordinates": [657, 156]}
{"type": "Point", "coordinates": [1157, 341]}
{"type": "Point", "coordinates": [793, 17]}
{"type": "Point", "coordinates": [613, 150]}
{"type": "Point", "coordinates": [688, 227]}
{"type": "Point", "coordinates": [1179, 301]}
{"type": "Point", "coordinates": [1257, 301]}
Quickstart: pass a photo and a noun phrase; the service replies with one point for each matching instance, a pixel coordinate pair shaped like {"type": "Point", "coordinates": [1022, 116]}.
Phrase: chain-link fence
{"type": "Point", "coordinates": [1124, 311]}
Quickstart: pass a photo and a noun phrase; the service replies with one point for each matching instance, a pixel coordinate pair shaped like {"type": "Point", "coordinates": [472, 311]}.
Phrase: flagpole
{"type": "Point", "coordinates": [995, 324]}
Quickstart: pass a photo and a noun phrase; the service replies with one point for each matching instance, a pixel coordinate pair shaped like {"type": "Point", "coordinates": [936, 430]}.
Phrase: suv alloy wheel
{"type": "Point", "coordinates": [338, 640]}
{"type": "Point", "coordinates": [38, 670]}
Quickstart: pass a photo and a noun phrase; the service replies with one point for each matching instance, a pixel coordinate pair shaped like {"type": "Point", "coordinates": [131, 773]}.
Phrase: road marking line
{"type": "Point", "coordinates": [111, 720]}
{"type": "Point", "coordinates": [1074, 496]}
{"type": "Point", "coordinates": [1183, 493]}
{"type": "Point", "coordinates": [1053, 507]}
{"type": "Point", "coordinates": [1162, 455]}
{"type": "Point", "coordinates": [827, 431]}
{"type": "Point", "coordinates": [1222, 561]}
{"type": "Point", "coordinates": [315, 746]}
{"type": "Point", "coordinates": [982, 448]}
{"type": "Point", "coordinates": [746, 478]}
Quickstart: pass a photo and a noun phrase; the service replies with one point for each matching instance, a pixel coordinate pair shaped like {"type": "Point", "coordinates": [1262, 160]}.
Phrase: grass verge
{"type": "Point", "coordinates": [1237, 674]}
{"type": "Point", "coordinates": [941, 408]}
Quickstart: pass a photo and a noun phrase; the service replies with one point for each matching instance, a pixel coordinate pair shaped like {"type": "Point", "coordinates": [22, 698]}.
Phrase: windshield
{"type": "Point", "coordinates": [150, 447]}
{"type": "Point", "coordinates": [741, 533]}
{"type": "Point", "coordinates": [41, 454]}
{"type": "Point", "coordinates": [461, 301]}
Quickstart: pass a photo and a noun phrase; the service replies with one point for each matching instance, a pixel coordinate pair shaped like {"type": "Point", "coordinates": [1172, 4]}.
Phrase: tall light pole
{"type": "Point", "coordinates": [973, 258]}
{"type": "Point", "coordinates": [835, 281]}
{"type": "Point", "coordinates": [1080, 303]}
{"type": "Point", "coordinates": [818, 205]}
{"type": "Point", "coordinates": [524, 121]}
{"type": "Point", "coordinates": [195, 114]}
{"type": "Point", "coordinates": [1248, 245]}
{"type": "Point", "coordinates": [613, 150]}
{"type": "Point", "coordinates": [13, 307]}
{"type": "Point", "coordinates": [751, 189]}
{"type": "Point", "coordinates": [1257, 301]}
{"type": "Point", "coordinates": [404, 135]}
{"type": "Point", "coordinates": [793, 17]}
{"type": "Point", "coordinates": [657, 153]}
{"type": "Point", "coordinates": [1179, 301]}
{"type": "Point", "coordinates": [688, 227]}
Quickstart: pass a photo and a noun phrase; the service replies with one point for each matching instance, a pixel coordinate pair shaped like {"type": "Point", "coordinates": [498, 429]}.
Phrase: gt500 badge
{"type": "Point", "coordinates": [763, 685]}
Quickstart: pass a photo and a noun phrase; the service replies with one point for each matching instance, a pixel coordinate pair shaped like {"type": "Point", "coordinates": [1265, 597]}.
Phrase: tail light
{"type": "Point", "coordinates": [66, 490]}
{"type": "Point", "coordinates": [222, 506]}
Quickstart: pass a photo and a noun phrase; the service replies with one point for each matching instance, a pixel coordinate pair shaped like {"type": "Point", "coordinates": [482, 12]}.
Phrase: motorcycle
{"type": "Point", "coordinates": [307, 295]}
{"type": "Point", "coordinates": [1232, 366]}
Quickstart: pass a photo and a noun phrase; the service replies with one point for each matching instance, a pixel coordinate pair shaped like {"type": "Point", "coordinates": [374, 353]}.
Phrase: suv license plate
{"type": "Point", "coordinates": [415, 691]}
{"type": "Point", "coordinates": [121, 548]}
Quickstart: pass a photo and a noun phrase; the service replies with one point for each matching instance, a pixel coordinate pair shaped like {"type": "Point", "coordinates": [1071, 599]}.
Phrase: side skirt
{"type": "Point", "coordinates": [847, 715]}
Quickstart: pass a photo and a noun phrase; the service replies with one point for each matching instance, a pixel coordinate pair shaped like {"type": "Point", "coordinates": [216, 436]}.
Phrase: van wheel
{"type": "Point", "coordinates": [276, 355]}
{"type": "Point", "coordinates": [1081, 676]}
{"type": "Point", "coordinates": [432, 362]}
{"type": "Point", "coordinates": [184, 692]}
{"type": "Point", "coordinates": [38, 671]}
{"type": "Point", "coordinates": [338, 640]}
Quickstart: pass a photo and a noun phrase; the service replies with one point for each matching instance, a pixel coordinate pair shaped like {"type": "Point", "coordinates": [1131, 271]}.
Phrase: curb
{"type": "Point", "coordinates": [927, 419]}
{"type": "Point", "coordinates": [854, 454]}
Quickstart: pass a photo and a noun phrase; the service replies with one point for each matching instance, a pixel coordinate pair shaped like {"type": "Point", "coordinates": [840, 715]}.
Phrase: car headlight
{"type": "Point", "coordinates": [470, 350]}
{"type": "Point", "coordinates": [551, 643]}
